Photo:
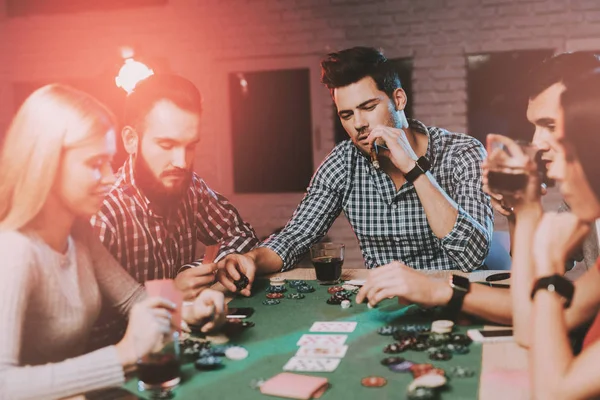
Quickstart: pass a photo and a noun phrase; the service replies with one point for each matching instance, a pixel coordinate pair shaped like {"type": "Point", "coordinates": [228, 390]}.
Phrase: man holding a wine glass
{"type": "Point", "coordinates": [520, 197]}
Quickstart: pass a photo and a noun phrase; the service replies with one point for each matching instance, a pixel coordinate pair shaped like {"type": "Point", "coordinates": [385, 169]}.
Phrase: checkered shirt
{"type": "Point", "coordinates": [151, 246]}
{"type": "Point", "coordinates": [391, 224]}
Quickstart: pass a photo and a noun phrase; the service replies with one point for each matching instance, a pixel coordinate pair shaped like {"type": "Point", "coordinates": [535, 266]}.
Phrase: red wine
{"type": "Point", "coordinates": [156, 370]}
{"type": "Point", "coordinates": [502, 182]}
{"type": "Point", "coordinates": [328, 269]}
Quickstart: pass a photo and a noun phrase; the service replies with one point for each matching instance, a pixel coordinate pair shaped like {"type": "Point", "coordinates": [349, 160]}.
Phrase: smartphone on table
{"type": "Point", "coordinates": [490, 335]}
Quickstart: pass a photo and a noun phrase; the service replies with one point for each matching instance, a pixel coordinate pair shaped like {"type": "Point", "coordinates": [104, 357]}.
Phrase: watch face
{"type": "Point", "coordinates": [424, 163]}
{"type": "Point", "coordinates": [460, 282]}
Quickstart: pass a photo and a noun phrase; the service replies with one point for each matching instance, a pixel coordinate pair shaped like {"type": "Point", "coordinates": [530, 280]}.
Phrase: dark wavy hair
{"type": "Point", "coordinates": [581, 110]}
{"type": "Point", "coordinates": [564, 67]}
{"type": "Point", "coordinates": [348, 66]}
{"type": "Point", "coordinates": [182, 92]}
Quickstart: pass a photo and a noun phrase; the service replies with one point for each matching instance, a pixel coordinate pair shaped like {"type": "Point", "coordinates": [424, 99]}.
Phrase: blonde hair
{"type": "Point", "coordinates": [53, 118]}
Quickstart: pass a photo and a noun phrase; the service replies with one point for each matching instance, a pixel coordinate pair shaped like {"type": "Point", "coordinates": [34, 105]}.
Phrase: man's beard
{"type": "Point", "coordinates": [154, 189]}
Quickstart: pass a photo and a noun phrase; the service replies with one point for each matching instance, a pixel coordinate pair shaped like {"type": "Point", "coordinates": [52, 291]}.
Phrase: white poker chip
{"type": "Point", "coordinates": [277, 283]}
{"type": "Point", "coordinates": [350, 288]}
{"type": "Point", "coordinates": [218, 339]}
{"type": "Point", "coordinates": [428, 380]}
{"type": "Point", "coordinates": [442, 326]}
{"type": "Point", "coordinates": [277, 279]}
{"type": "Point", "coordinates": [236, 353]}
{"type": "Point", "coordinates": [345, 304]}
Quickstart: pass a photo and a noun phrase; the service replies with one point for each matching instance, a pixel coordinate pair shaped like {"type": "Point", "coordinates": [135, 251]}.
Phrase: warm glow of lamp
{"type": "Point", "coordinates": [131, 73]}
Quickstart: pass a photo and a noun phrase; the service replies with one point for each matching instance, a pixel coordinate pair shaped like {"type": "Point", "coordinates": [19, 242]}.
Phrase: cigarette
{"type": "Point", "coordinates": [374, 159]}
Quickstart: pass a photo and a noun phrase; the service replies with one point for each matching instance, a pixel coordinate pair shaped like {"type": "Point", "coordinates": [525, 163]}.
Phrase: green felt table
{"type": "Point", "coordinates": [272, 342]}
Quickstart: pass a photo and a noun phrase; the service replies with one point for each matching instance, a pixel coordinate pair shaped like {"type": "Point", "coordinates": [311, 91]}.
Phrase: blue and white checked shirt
{"type": "Point", "coordinates": [392, 225]}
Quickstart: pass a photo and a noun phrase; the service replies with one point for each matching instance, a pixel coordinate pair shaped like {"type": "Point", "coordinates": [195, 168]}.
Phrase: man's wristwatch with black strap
{"type": "Point", "coordinates": [421, 167]}
{"type": "Point", "coordinates": [460, 287]}
{"type": "Point", "coordinates": [558, 284]}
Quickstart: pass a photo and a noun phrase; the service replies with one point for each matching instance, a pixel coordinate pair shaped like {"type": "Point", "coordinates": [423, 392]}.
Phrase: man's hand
{"type": "Point", "coordinates": [401, 153]}
{"type": "Point", "coordinates": [230, 269]}
{"type": "Point", "coordinates": [208, 308]}
{"type": "Point", "coordinates": [556, 236]}
{"type": "Point", "coordinates": [192, 281]}
{"type": "Point", "coordinates": [398, 280]}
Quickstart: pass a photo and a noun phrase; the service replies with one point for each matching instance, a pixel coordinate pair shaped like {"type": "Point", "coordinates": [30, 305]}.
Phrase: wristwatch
{"type": "Point", "coordinates": [558, 284]}
{"type": "Point", "coordinates": [460, 287]}
{"type": "Point", "coordinates": [422, 166]}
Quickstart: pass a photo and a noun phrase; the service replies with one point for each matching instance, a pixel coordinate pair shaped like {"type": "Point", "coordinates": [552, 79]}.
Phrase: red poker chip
{"type": "Point", "coordinates": [373, 381]}
{"type": "Point", "coordinates": [335, 289]}
{"type": "Point", "coordinates": [274, 295]}
{"type": "Point", "coordinates": [420, 369]}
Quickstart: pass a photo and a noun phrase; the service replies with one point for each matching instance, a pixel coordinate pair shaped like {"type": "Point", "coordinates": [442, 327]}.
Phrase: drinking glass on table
{"type": "Point", "coordinates": [159, 371]}
{"type": "Point", "coordinates": [328, 259]}
{"type": "Point", "coordinates": [509, 162]}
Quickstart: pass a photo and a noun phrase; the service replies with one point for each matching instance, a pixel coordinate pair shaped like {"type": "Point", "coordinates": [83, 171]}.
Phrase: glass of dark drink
{"type": "Point", "coordinates": [328, 259]}
{"type": "Point", "coordinates": [159, 371]}
{"type": "Point", "coordinates": [509, 165]}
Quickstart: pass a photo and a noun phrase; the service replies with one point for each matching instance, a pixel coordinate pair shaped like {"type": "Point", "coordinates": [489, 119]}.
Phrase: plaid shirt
{"type": "Point", "coordinates": [151, 246]}
{"type": "Point", "coordinates": [391, 224]}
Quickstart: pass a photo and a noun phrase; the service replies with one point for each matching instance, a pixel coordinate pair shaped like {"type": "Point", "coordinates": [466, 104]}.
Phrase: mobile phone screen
{"type": "Point", "coordinates": [240, 312]}
{"type": "Point", "coordinates": [496, 333]}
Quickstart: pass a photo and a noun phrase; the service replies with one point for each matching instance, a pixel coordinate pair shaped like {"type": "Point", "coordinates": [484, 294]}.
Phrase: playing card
{"type": "Point", "coordinates": [333, 326]}
{"type": "Point", "coordinates": [166, 289]}
{"type": "Point", "coordinates": [321, 340]}
{"type": "Point", "coordinates": [305, 364]}
{"type": "Point", "coordinates": [322, 351]}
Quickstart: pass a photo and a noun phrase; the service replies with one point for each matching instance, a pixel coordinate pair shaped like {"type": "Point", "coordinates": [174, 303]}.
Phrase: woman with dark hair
{"type": "Point", "coordinates": [556, 372]}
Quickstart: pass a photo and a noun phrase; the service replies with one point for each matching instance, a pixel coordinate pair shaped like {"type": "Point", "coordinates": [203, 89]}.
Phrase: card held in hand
{"type": "Point", "coordinates": [295, 386]}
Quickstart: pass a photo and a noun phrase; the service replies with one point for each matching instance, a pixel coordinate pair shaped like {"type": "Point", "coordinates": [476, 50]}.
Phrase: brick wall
{"type": "Point", "coordinates": [205, 39]}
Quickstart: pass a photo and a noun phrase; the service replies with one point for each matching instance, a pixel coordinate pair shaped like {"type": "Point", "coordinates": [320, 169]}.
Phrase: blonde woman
{"type": "Point", "coordinates": [54, 173]}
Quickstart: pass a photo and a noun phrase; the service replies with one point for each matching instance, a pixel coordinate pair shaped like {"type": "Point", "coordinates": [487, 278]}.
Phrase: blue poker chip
{"type": "Point", "coordinates": [403, 366]}
{"type": "Point", "coordinates": [305, 288]}
{"type": "Point", "coordinates": [295, 283]}
{"type": "Point", "coordinates": [271, 302]}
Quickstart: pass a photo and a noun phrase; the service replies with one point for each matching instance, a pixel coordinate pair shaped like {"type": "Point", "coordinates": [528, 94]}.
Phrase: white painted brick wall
{"type": "Point", "coordinates": [203, 39]}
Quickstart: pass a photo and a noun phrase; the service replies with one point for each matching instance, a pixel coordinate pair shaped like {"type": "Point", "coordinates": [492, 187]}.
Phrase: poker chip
{"type": "Point", "coordinates": [277, 280]}
{"type": "Point", "coordinates": [387, 330]}
{"type": "Point", "coordinates": [432, 381]}
{"type": "Point", "coordinates": [295, 283]}
{"type": "Point", "coordinates": [209, 362]}
{"type": "Point", "coordinates": [350, 288]}
{"type": "Point", "coordinates": [404, 366]}
{"type": "Point", "coordinates": [437, 371]}
{"type": "Point", "coordinates": [241, 283]}
{"type": "Point", "coordinates": [415, 328]}
{"type": "Point", "coordinates": [275, 296]}
{"type": "Point", "coordinates": [419, 346]}
{"type": "Point", "coordinates": [421, 393]}
{"type": "Point", "coordinates": [345, 304]}
{"type": "Point", "coordinates": [236, 353]}
{"type": "Point", "coordinates": [442, 326]}
{"type": "Point", "coordinates": [295, 296]}
{"type": "Point", "coordinates": [271, 302]}
{"type": "Point", "coordinates": [460, 338]}
{"type": "Point", "coordinates": [373, 381]}
{"type": "Point", "coordinates": [247, 324]}
{"type": "Point", "coordinates": [305, 288]}
{"type": "Point", "coordinates": [461, 372]}
{"type": "Point", "coordinates": [219, 350]}
{"type": "Point", "coordinates": [438, 339]}
{"type": "Point", "coordinates": [276, 289]}
{"type": "Point", "coordinates": [335, 289]}
{"type": "Point", "coordinates": [392, 360]}
{"type": "Point", "coordinates": [394, 348]}
{"type": "Point", "coordinates": [440, 355]}
{"type": "Point", "coordinates": [457, 348]}
{"type": "Point", "coordinates": [420, 369]}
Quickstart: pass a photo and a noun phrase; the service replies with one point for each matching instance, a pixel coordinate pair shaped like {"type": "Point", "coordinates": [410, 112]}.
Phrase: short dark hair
{"type": "Point", "coordinates": [348, 66]}
{"type": "Point", "coordinates": [563, 67]}
{"type": "Point", "coordinates": [580, 103]}
{"type": "Point", "coordinates": [182, 92]}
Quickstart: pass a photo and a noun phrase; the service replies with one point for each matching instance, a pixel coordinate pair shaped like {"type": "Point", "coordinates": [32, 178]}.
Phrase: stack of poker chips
{"type": "Point", "coordinates": [441, 344]}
